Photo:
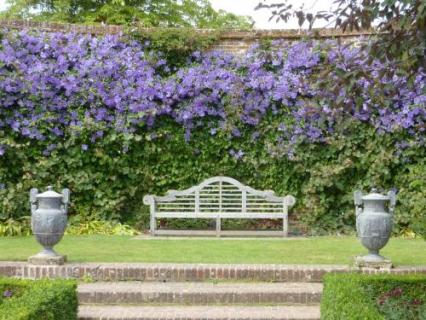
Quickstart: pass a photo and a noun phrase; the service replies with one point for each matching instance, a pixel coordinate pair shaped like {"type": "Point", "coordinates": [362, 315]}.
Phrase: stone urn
{"type": "Point", "coordinates": [374, 220]}
{"type": "Point", "coordinates": [48, 223]}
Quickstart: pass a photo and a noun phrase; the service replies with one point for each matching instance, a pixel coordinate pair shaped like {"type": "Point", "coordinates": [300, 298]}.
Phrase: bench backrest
{"type": "Point", "coordinates": [220, 194]}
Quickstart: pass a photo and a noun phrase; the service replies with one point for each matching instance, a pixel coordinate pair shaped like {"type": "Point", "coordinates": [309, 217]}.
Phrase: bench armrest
{"type": "Point", "coordinates": [289, 200]}
{"type": "Point", "coordinates": [148, 200]}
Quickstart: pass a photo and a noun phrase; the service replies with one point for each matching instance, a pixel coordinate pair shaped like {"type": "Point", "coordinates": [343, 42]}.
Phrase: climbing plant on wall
{"type": "Point", "coordinates": [113, 119]}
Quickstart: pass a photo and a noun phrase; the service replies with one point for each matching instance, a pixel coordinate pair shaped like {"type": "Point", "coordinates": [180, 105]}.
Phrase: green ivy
{"type": "Point", "coordinates": [109, 180]}
{"type": "Point", "coordinates": [177, 44]}
{"type": "Point", "coordinates": [411, 179]}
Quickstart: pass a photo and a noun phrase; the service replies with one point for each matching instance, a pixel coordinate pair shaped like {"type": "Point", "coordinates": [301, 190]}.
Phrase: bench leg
{"type": "Point", "coordinates": [218, 227]}
{"type": "Point", "coordinates": [285, 226]}
{"type": "Point", "coordinates": [152, 225]}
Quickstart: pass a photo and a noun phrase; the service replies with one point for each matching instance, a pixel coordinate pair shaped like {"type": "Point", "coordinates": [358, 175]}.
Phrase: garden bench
{"type": "Point", "coordinates": [219, 198]}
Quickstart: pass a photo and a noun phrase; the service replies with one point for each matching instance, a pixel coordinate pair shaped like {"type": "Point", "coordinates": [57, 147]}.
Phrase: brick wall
{"type": "Point", "coordinates": [234, 41]}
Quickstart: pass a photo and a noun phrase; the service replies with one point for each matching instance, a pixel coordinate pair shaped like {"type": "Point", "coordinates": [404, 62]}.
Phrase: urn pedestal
{"type": "Point", "coordinates": [374, 226]}
{"type": "Point", "coordinates": [48, 223]}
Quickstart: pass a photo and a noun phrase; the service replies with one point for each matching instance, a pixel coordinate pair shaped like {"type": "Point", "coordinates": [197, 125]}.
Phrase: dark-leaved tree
{"type": "Point", "coordinates": [399, 26]}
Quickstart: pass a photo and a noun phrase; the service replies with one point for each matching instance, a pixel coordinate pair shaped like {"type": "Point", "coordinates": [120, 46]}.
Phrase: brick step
{"type": "Point", "coordinates": [198, 293]}
{"type": "Point", "coordinates": [199, 313]}
{"type": "Point", "coordinates": [180, 272]}
{"type": "Point", "coordinates": [173, 272]}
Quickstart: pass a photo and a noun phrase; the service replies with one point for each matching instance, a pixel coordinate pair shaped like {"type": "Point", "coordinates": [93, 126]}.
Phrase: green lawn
{"type": "Point", "coordinates": [317, 250]}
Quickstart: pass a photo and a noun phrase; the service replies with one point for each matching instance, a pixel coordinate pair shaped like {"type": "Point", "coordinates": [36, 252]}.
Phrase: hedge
{"type": "Point", "coordinates": [373, 297]}
{"type": "Point", "coordinates": [38, 300]}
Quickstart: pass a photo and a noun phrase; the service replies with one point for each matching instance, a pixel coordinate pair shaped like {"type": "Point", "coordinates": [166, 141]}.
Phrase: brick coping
{"type": "Point", "coordinates": [223, 34]}
{"type": "Point", "coordinates": [187, 272]}
{"type": "Point", "coordinates": [223, 265]}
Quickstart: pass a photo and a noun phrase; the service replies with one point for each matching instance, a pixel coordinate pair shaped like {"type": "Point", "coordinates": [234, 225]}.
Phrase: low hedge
{"type": "Point", "coordinates": [373, 297]}
{"type": "Point", "coordinates": [38, 300]}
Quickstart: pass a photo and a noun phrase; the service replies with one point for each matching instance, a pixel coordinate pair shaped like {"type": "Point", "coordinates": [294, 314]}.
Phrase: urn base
{"type": "Point", "coordinates": [37, 260]}
{"type": "Point", "coordinates": [373, 261]}
{"type": "Point", "coordinates": [47, 257]}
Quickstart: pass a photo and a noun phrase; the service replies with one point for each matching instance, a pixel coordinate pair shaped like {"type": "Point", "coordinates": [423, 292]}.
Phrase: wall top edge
{"type": "Point", "coordinates": [223, 34]}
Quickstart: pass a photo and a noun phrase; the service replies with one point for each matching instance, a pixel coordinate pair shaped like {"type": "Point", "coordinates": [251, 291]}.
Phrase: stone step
{"type": "Point", "coordinates": [198, 293]}
{"type": "Point", "coordinates": [199, 313]}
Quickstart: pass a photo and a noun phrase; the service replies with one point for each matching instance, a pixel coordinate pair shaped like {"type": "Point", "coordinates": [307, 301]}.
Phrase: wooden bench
{"type": "Point", "coordinates": [219, 198]}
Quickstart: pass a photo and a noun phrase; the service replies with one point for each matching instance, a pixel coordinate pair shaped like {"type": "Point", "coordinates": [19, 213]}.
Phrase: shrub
{"type": "Point", "coordinates": [100, 227]}
{"type": "Point", "coordinates": [75, 227]}
{"type": "Point", "coordinates": [373, 297]}
{"type": "Point", "coordinates": [412, 197]}
{"type": "Point", "coordinates": [38, 300]}
{"type": "Point", "coordinates": [18, 227]}
{"type": "Point", "coordinates": [419, 226]}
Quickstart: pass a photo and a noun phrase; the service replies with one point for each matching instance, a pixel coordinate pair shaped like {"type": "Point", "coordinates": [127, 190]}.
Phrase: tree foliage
{"type": "Point", "coordinates": [399, 26]}
{"type": "Point", "coordinates": [149, 13]}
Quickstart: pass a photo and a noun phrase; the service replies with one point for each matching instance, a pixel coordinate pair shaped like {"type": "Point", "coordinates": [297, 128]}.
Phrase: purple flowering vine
{"type": "Point", "coordinates": [56, 84]}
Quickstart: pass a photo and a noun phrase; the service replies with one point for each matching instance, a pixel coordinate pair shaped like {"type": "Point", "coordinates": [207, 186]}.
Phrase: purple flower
{"type": "Point", "coordinates": [84, 147]}
{"type": "Point", "coordinates": [314, 133]}
{"type": "Point", "coordinates": [49, 149]}
{"type": "Point", "coordinates": [236, 154]}
{"type": "Point", "coordinates": [236, 132]}
{"type": "Point", "coordinates": [402, 145]}
{"type": "Point", "coordinates": [420, 99]}
{"type": "Point", "coordinates": [7, 293]}
{"type": "Point", "coordinates": [255, 135]}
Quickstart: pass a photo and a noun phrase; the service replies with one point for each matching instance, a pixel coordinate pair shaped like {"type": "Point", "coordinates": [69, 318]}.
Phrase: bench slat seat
{"type": "Point", "coordinates": [224, 215]}
{"type": "Point", "coordinates": [219, 198]}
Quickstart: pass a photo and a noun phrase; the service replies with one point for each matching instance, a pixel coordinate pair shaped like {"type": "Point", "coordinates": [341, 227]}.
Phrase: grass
{"type": "Point", "coordinates": [316, 250]}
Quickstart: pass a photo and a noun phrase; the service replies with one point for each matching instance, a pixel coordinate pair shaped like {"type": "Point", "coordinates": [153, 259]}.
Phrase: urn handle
{"type": "Point", "coordinates": [392, 201]}
{"type": "Point", "coordinates": [358, 202]}
{"type": "Point", "coordinates": [65, 200]}
{"type": "Point", "coordinates": [33, 199]}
